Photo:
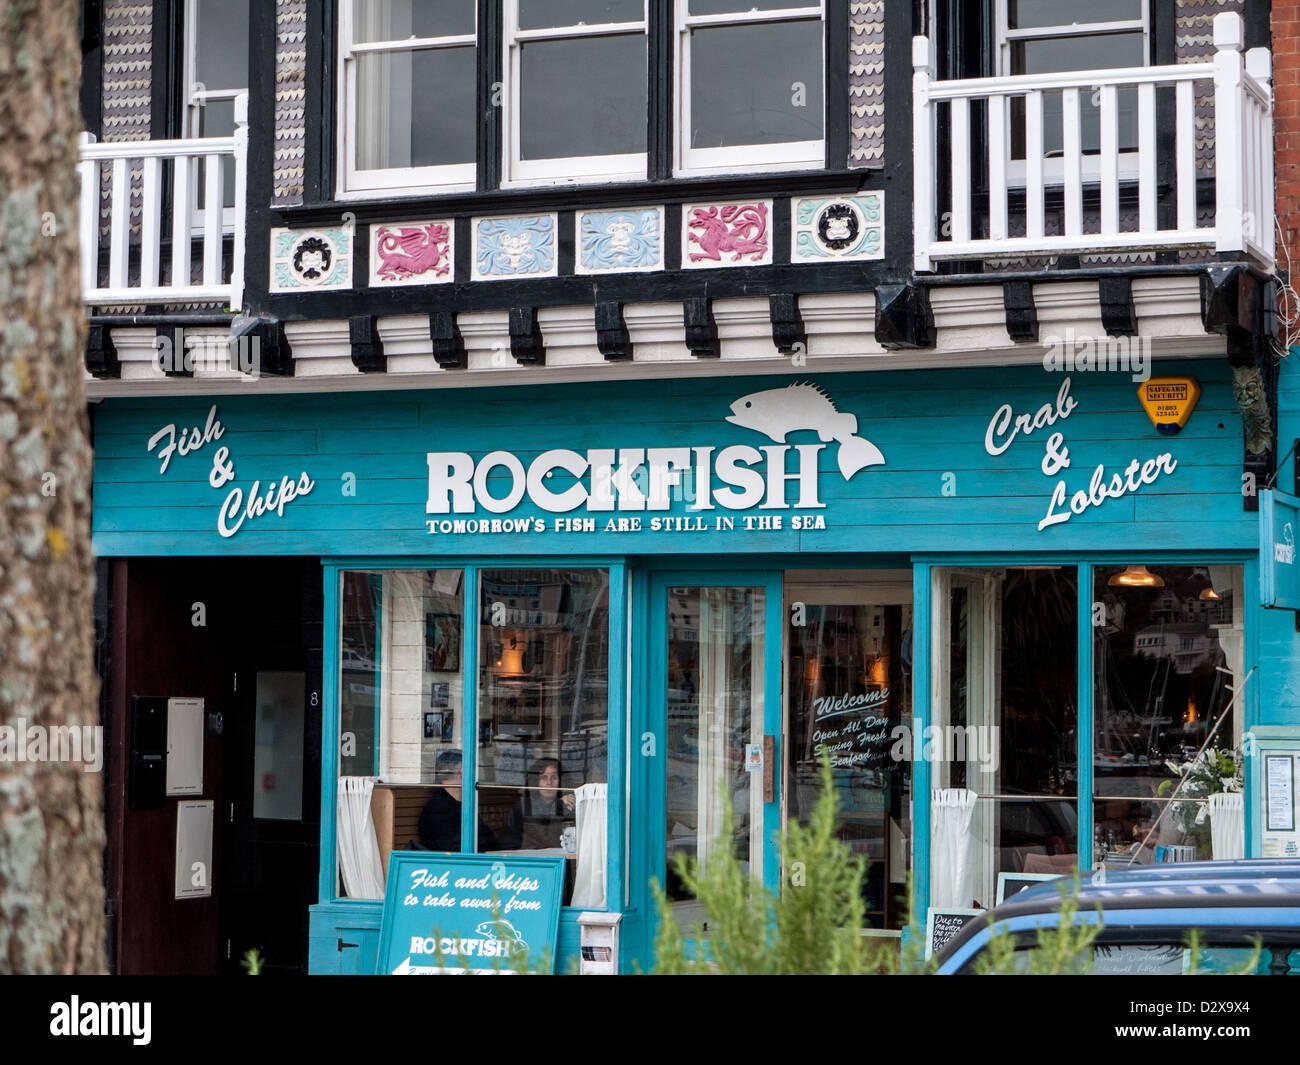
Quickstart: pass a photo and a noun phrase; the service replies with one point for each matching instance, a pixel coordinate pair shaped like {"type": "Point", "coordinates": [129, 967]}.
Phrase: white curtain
{"type": "Point", "coordinates": [593, 818]}
{"type": "Point", "coordinates": [952, 849]}
{"type": "Point", "coordinates": [1227, 826]}
{"type": "Point", "coordinates": [383, 128]}
{"type": "Point", "coordinates": [363, 873]}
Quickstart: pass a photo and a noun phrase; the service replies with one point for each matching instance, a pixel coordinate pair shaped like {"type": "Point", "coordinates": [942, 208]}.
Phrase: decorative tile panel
{"type": "Point", "coordinates": [867, 83]}
{"type": "Point", "coordinates": [846, 228]}
{"type": "Point", "coordinates": [306, 259]}
{"type": "Point", "coordinates": [629, 238]}
{"type": "Point", "coordinates": [412, 253]}
{"type": "Point", "coordinates": [290, 101]}
{"type": "Point", "coordinates": [515, 246]}
{"type": "Point", "coordinates": [726, 234]}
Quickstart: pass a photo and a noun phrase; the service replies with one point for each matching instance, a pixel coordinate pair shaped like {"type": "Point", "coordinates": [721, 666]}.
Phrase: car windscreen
{"type": "Point", "coordinates": [1150, 951]}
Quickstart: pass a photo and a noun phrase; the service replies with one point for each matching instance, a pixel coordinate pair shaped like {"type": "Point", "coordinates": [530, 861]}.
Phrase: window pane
{"type": "Point", "coordinates": [1166, 662]}
{"type": "Point", "coordinates": [583, 97]}
{"type": "Point", "coordinates": [1006, 651]}
{"type": "Point", "coordinates": [278, 746]}
{"type": "Point", "coordinates": [1076, 53]}
{"type": "Point", "coordinates": [850, 683]}
{"type": "Point", "coordinates": [757, 84]}
{"type": "Point", "coordinates": [415, 108]}
{"type": "Point", "coordinates": [401, 673]}
{"type": "Point", "coordinates": [221, 41]}
{"type": "Point", "coordinates": [216, 118]}
{"type": "Point", "coordinates": [543, 703]}
{"type": "Point", "coordinates": [1022, 14]}
{"type": "Point", "coordinates": [359, 673]}
{"type": "Point", "coordinates": [1156, 952]}
{"type": "Point", "coordinates": [400, 20]}
{"type": "Point", "coordinates": [1090, 52]}
{"type": "Point", "coordinates": [715, 707]}
{"type": "Point", "coordinates": [729, 7]}
{"type": "Point", "coordinates": [540, 14]}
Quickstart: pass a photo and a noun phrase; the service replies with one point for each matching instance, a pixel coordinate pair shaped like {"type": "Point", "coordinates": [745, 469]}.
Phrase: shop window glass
{"type": "Point", "coordinates": [1005, 717]}
{"type": "Point", "coordinates": [543, 707]}
{"type": "Point", "coordinates": [1167, 659]}
{"type": "Point", "coordinates": [715, 707]}
{"type": "Point", "coordinates": [401, 695]}
{"type": "Point", "coordinates": [401, 708]}
{"type": "Point", "coordinates": [850, 686]}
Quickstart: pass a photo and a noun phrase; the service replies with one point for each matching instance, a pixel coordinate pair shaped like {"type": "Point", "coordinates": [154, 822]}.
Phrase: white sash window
{"type": "Point", "coordinates": [749, 87]}
{"type": "Point", "coordinates": [576, 82]}
{"type": "Point", "coordinates": [409, 110]}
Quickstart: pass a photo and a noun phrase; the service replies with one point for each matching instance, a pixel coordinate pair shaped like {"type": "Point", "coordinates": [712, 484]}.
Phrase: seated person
{"type": "Point", "coordinates": [542, 813]}
{"type": "Point", "coordinates": [440, 818]}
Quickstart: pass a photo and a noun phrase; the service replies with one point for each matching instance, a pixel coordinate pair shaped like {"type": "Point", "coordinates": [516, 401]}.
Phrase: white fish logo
{"type": "Point", "coordinates": [780, 411]}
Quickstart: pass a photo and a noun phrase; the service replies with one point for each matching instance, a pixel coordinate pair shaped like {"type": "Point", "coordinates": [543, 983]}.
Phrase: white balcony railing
{"type": "Point", "coordinates": [173, 258]}
{"type": "Point", "coordinates": [1089, 195]}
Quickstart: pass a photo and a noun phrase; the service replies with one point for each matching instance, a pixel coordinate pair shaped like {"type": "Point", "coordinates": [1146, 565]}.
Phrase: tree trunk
{"type": "Point", "coordinates": [51, 822]}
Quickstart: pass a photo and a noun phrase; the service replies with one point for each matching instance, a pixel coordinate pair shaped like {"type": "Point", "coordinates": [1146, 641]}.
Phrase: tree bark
{"type": "Point", "coordinates": [51, 822]}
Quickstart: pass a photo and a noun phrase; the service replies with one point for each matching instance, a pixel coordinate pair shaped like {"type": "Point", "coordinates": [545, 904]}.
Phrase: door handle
{"type": "Point", "coordinates": [769, 768]}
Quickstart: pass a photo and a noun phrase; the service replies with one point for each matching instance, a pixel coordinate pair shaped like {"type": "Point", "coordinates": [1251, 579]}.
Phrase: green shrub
{"type": "Point", "coordinates": [810, 928]}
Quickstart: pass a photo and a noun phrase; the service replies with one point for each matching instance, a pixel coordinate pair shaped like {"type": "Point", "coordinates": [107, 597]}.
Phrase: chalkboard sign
{"type": "Point", "coordinates": [1010, 884]}
{"type": "Point", "coordinates": [942, 926]}
{"type": "Point", "coordinates": [482, 911]}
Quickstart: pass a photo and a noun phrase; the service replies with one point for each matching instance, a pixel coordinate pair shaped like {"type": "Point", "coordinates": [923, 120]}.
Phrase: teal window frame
{"type": "Point", "coordinates": [332, 575]}
{"type": "Point", "coordinates": [1084, 563]}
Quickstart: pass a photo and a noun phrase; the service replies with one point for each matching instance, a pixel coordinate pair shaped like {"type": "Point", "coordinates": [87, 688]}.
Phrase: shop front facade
{"type": "Point", "coordinates": [528, 455]}
{"type": "Point", "coordinates": [641, 597]}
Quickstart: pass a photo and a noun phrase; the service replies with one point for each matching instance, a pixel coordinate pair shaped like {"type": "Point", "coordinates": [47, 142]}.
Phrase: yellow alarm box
{"type": "Point", "coordinates": [1169, 401]}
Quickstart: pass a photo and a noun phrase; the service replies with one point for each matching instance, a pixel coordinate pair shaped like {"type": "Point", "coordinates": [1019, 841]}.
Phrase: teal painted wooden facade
{"type": "Point", "coordinates": [939, 498]}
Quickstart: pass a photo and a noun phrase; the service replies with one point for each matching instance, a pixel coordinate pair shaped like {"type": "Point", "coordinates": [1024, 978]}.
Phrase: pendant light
{"type": "Point", "coordinates": [1136, 577]}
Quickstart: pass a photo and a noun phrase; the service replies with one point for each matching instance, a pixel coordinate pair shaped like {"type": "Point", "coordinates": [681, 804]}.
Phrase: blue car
{"type": "Point", "coordinates": [1148, 913]}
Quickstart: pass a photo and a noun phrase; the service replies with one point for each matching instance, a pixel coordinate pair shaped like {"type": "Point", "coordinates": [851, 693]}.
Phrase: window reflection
{"type": "Point", "coordinates": [715, 707]}
{"type": "Point", "coordinates": [850, 684]}
{"type": "Point", "coordinates": [543, 707]}
{"type": "Point", "coordinates": [1005, 756]}
{"type": "Point", "coordinates": [1167, 658]}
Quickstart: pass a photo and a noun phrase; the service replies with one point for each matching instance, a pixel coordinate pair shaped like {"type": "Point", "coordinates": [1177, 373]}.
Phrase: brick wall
{"type": "Point", "coordinates": [1286, 136]}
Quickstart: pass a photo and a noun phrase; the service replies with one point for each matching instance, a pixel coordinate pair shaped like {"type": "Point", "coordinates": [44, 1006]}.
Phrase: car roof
{"type": "Point", "coordinates": [1186, 886]}
{"type": "Point", "coordinates": [1168, 880]}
